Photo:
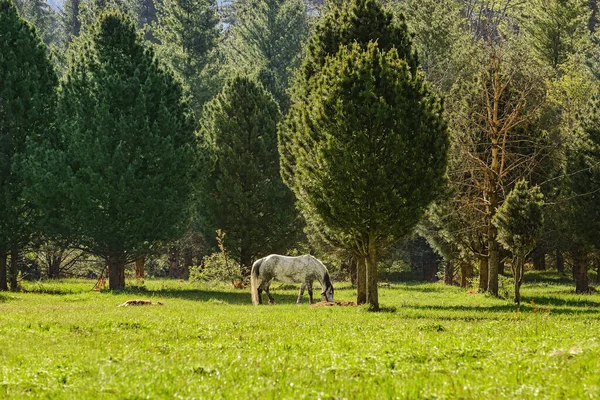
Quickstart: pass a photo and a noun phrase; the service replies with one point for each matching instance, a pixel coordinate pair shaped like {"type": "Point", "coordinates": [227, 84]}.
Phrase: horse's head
{"type": "Point", "coordinates": [327, 294]}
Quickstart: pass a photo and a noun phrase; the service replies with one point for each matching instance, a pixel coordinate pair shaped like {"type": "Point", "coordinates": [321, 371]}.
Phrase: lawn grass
{"type": "Point", "coordinates": [60, 340]}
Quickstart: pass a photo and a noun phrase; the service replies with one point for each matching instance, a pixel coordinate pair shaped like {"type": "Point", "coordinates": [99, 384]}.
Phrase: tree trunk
{"type": "Point", "coordinates": [518, 267]}
{"type": "Point", "coordinates": [539, 261]}
{"type": "Point", "coordinates": [597, 271]}
{"type": "Point", "coordinates": [116, 273]}
{"type": "Point", "coordinates": [493, 261]}
{"type": "Point", "coordinates": [13, 274]}
{"type": "Point", "coordinates": [188, 258]}
{"type": "Point", "coordinates": [560, 263]}
{"type": "Point", "coordinates": [580, 272]}
{"type": "Point", "coordinates": [501, 266]}
{"type": "Point", "coordinates": [3, 272]}
{"type": "Point", "coordinates": [448, 272]}
{"type": "Point", "coordinates": [371, 259]}
{"type": "Point", "coordinates": [352, 267]}
{"type": "Point", "coordinates": [54, 262]}
{"type": "Point", "coordinates": [483, 273]}
{"type": "Point", "coordinates": [174, 265]}
{"type": "Point", "coordinates": [139, 267]}
{"type": "Point", "coordinates": [246, 263]}
{"type": "Point", "coordinates": [361, 280]}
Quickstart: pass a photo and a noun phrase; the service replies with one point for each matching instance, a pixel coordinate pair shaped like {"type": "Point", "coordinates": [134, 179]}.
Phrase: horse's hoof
{"type": "Point", "coordinates": [271, 302]}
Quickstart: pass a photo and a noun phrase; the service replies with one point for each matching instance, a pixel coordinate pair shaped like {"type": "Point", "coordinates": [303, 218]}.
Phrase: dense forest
{"type": "Point", "coordinates": [190, 138]}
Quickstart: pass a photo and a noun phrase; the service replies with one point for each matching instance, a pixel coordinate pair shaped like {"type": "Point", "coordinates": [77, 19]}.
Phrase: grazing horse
{"type": "Point", "coordinates": [303, 269]}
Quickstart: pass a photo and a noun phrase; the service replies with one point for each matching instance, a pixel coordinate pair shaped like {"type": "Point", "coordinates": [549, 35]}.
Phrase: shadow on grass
{"type": "Point", "coordinates": [545, 277]}
{"type": "Point", "coordinates": [241, 297]}
{"type": "Point", "coordinates": [503, 309]}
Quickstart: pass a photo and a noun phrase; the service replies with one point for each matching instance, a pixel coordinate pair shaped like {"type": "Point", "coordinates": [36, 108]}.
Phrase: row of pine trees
{"type": "Point", "coordinates": [126, 124]}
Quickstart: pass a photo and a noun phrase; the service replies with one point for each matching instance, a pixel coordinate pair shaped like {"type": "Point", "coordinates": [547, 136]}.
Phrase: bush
{"type": "Point", "coordinates": [216, 267]}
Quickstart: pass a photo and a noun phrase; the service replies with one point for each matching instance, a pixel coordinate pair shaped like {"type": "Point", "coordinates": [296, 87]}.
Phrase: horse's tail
{"type": "Point", "coordinates": [254, 274]}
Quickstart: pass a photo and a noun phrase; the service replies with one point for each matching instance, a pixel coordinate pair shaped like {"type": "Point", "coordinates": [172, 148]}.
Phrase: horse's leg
{"type": "Point", "coordinates": [271, 298]}
{"type": "Point", "coordinates": [302, 287]}
{"type": "Point", "coordinates": [260, 290]}
{"type": "Point", "coordinates": [310, 292]}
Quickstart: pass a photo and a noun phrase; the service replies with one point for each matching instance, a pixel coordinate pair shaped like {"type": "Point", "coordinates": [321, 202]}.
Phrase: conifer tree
{"type": "Point", "coordinates": [70, 19]}
{"type": "Point", "coordinates": [265, 41]}
{"type": "Point", "coordinates": [342, 23]}
{"type": "Point", "coordinates": [187, 32]}
{"type": "Point", "coordinates": [375, 154]}
{"type": "Point", "coordinates": [42, 16]}
{"type": "Point", "coordinates": [122, 175]}
{"type": "Point", "coordinates": [244, 193]}
{"type": "Point", "coordinates": [519, 221]}
{"type": "Point", "coordinates": [27, 105]}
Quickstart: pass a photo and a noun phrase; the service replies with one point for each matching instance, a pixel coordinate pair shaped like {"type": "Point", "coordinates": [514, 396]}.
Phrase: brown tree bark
{"type": "Point", "coordinates": [580, 272]}
{"type": "Point", "coordinates": [139, 267]}
{"type": "Point", "coordinates": [54, 262]}
{"type": "Point", "coordinates": [518, 267]}
{"type": "Point", "coordinates": [361, 280]}
{"type": "Point", "coordinates": [174, 265]}
{"type": "Point", "coordinates": [448, 272]}
{"type": "Point", "coordinates": [539, 261]}
{"type": "Point", "coordinates": [14, 273]}
{"type": "Point", "coordinates": [483, 273]}
{"type": "Point", "coordinates": [3, 271]}
{"type": "Point", "coordinates": [352, 269]}
{"type": "Point", "coordinates": [560, 263]}
{"type": "Point", "coordinates": [116, 273]}
{"type": "Point", "coordinates": [493, 260]}
{"type": "Point", "coordinates": [246, 263]}
{"type": "Point", "coordinates": [371, 260]}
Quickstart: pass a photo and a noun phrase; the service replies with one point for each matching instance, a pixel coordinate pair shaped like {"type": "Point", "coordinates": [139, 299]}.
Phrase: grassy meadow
{"type": "Point", "coordinates": [60, 340]}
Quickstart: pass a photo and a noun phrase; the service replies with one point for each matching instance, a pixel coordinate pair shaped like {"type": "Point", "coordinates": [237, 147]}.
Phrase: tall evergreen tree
{"type": "Point", "coordinates": [123, 172]}
{"type": "Point", "coordinates": [266, 41]}
{"type": "Point", "coordinates": [245, 194]}
{"type": "Point", "coordinates": [519, 221]}
{"type": "Point", "coordinates": [187, 32]}
{"type": "Point", "coordinates": [27, 107]}
{"type": "Point", "coordinates": [43, 17]}
{"type": "Point", "coordinates": [375, 153]}
{"type": "Point", "coordinates": [71, 21]}
{"type": "Point", "coordinates": [342, 23]}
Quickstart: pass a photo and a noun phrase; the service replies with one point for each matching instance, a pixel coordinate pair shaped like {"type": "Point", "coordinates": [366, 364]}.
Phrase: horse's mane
{"type": "Point", "coordinates": [327, 282]}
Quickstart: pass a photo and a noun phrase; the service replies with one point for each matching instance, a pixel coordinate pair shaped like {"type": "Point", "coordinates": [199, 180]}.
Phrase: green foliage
{"type": "Point", "coordinates": [27, 107]}
{"type": "Point", "coordinates": [122, 173]}
{"type": "Point", "coordinates": [209, 339]}
{"type": "Point", "coordinates": [556, 28]}
{"type": "Point", "coordinates": [187, 32]}
{"type": "Point", "coordinates": [366, 112]}
{"type": "Point", "coordinates": [41, 15]}
{"type": "Point", "coordinates": [265, 41]}
{"type": "Point", "coordinates": [519, 220]}
{"type": "Point", "coordinates": [216, 267]}
{"type": "Point", "coordinates": [244, 194]}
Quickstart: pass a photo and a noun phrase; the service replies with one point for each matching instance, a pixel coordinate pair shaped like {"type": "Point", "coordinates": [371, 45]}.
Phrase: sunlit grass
{"type": "Point", "coordinates": [62, 340]}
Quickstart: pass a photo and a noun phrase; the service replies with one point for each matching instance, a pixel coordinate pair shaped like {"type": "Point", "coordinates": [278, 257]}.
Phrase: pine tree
{"type": "Point", "coordinates": [245, 194]}
{"type": "Point", "coordinates": [123, 173]}
{"type": "Point", "coordinates": [375, 154]}
{"type": "Point", "coordinates": [43, 17]}
{"type": "Point", "coordinates": [70, 19]}
{"type": "Point", "coordinates": [187, 32]}
{"type": "Point", "coordinates": [519, 221]}
{"type": "Point", "coordinates": [27, 106]}
{"type": "Point", "coordinates": [342, 23]}
{"type": "Point", "coordinates": [556, 28]}
{"type": "Point", "coordinates": [265, 41]}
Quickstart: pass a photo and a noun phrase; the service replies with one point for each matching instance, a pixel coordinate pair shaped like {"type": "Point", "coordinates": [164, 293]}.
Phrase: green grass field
{"type": "Point", "coordinates": [61, 340]}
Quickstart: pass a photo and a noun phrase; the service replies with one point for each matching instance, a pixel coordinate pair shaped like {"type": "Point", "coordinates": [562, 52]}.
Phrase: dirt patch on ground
{"type": "Point", "coordinates": [331, 304]}
{"type": "Point", "coordinates": [138, 302]}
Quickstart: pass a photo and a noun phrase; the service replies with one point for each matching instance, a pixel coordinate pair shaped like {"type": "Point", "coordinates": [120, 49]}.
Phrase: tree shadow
{"type": "Point", "coordinates": [229, 297]}
{"type": "Point", "coordinates": [478, 311]}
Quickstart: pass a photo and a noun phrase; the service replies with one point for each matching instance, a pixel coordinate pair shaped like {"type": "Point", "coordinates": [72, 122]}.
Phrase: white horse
{"type": "Point", "coordinates": [303, 269]}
